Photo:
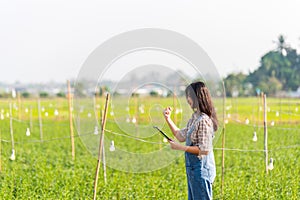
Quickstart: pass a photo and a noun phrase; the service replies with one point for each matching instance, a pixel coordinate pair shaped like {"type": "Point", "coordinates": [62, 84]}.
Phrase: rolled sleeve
{"type": "Point", "coordinates": [183, 132]}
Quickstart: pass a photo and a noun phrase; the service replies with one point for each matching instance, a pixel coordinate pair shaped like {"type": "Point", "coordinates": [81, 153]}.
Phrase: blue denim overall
{"type": "Point", "coordinates": [200, 172]}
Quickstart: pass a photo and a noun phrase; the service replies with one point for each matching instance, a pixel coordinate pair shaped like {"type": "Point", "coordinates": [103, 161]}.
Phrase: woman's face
{"type": "Point", "coordinates": [190, 101]}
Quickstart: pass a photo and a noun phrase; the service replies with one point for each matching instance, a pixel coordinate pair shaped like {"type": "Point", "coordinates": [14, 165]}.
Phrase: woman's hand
{"type": "Point", "coordinates": [175, 130]}
{"type": "Point", "coordinates": [167, 113]}
{"type": "Point", "coordinates": [176, 146]}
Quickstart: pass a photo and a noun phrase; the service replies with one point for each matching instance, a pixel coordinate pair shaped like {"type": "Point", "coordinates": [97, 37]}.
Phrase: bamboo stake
{"type": "Point", "coordinates": [223, 146]}
{"type": "Point", "coordinates": [103, 158]}
{"type": "Point", "coordinates": [0, 152]}
{"type": "Point", "coordinates": [71, 119]}
{"type": "Point", "coordinates": [237, 107]}
{"type": "Point", "coordinates": [30, 118]}
{"type": "Point", "coordinates": [11, 133]}
{"type": "Point", "coordinates": [95, 104]}
{"type": "Point", "coordinates": [104, 164]}
{"type": "Point", "coordinates": [100, 146]}
{"type": "Point", "coordinates": [19, 105]}
{"type": "Point", "coordinates": [11, 126]}
{"type": "Point", "coordinates": [258, 112]}
{"type": "Point", "coordinates": [78, 123]}
{"type": "Point", "coordinates": [174, 106]}
{"type": "Point", "coordinates": [253, 118]}
{"type": "Point", "coordinates": [40, 120]}
{"type": "Point", "coordinates": [290, 110]}
{"type": "Point", "coordinates": [265, 133]}
{"type": "Point", "coordinates": [136, 115]}
{"type": "Point", "coordinates": [280, 111]}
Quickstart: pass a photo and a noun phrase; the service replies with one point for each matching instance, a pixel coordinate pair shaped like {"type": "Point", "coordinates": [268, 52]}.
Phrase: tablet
{"type": "Point", "coordinates": [162, 133]}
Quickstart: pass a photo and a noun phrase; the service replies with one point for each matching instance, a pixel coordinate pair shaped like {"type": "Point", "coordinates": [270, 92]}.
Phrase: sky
{"type": "Point", "coordinates": [49, 40]}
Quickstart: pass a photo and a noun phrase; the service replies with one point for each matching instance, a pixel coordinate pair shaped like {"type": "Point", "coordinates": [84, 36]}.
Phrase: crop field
{"type": "Point", "coordinates": [43, 167]}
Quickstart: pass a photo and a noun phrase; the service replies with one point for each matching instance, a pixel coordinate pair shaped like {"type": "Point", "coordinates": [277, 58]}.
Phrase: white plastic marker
{"type": "Point", "coordinates": [96, 131]}
{"type": "Point", "coordinates": [13, 93]}
{"type": "Point", "coordinates": [271, 165]}
{"type": "Point", "coordinates": [112, 146]}
{"type": "Point", "coordinates": [141, 109]}
{"type": "Point", "coordinates": [247, 121]}
{"type": "Point", "coordinates": [27, 132]}
{"type": "Point", "coordinates": [133, 120]}
{"type": "Point", "coordinates": [13, 156]}
{"type": "Point", "coordinates": [254, 137]}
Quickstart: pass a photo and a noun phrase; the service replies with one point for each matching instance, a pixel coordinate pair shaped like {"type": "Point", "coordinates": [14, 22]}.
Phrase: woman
{"type": "Point", "coordinates": [198, 136]}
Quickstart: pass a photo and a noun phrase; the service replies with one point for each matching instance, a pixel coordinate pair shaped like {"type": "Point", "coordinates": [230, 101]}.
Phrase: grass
{"type": "Point", "coordinates": [45, 170]}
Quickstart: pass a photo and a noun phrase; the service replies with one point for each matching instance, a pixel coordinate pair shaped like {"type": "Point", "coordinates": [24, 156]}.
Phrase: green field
{"type": "Point", "coordinates": [44, 168]}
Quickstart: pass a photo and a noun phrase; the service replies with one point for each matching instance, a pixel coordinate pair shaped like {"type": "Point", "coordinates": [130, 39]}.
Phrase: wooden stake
{"type": "Point", "coordinates": [104, 164]}
{"type": "Point", "coordinates": [0, 152]}
{"type": "Point", "coordinates": [253, 118]}
{"type": "Point", "coordinates": [95, 104]}
{"type": "Point", "coordinates": [174, 107]}
{"type": "Point", "coordinates": [223, 145]}
{"type": "Point", "coordinates": [11, 127]}
{"type": "Point", "coordinates": [258, 112]}
{"type": "Point", "coordinates": [103, 150]}
{"type": "Point", "coordinates": [11, 130]}
{"type": "Point", "coordinates": [71, 120]}
{"type": "Point", "coordinates": [30, 118]}
{"type": "Point", "coordinates": [19, 105]}
{"type": "Point", "coordinates": [100, 146]}
{"type": "Point", "coordinates": [280, 111]}
{"type": "Point", "coordinates": [265, 133]}
{"type": "Point", "coordinates": [136, 115]}
{"type": "Point", "coordinates": [237, 107]}
{"type": "Point", "coordinates": [290, 110]}
{"type": "Point", "coordinates": [78, 123]}
{"type": "Point", "coordinates": [40, 120]}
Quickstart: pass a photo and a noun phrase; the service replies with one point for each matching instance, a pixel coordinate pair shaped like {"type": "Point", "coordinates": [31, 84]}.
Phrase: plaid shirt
{"type": "Point", "coordinates": [202, 135]}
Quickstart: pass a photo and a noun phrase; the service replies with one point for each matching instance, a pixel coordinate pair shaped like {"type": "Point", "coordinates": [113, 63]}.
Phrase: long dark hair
{"type": "Point", "coordinates": [202, 101]}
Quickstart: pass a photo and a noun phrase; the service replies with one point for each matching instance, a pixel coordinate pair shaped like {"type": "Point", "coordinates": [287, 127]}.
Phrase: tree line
{"type": "Point", "coordinates": [279, 72]}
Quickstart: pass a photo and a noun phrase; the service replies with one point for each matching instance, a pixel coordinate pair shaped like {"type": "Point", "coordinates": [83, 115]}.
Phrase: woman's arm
{"type": "Point", "coordinates": [175, 130]}
{"type": "Point", "coordinates": [190, 149]}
